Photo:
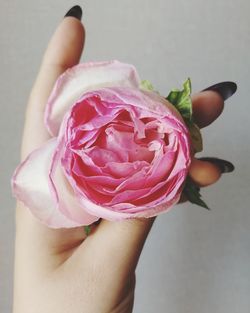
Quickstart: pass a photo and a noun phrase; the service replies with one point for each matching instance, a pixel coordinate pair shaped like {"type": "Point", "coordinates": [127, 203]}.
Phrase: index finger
{"type": "Point", "coordinates": [64, 51]}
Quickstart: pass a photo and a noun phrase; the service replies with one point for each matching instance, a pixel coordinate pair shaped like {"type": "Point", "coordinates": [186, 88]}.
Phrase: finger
{"type": "Point", "coordinates": [207, 107]}
{"type": "Point", "coordinates": [207, 170]}
{"type": "Point", "coordinates": [64, 51]}
{"type": "Point", "coordinates": [209, 104]}
{"type": "Point", "coordinates": [204, 173]}
{"type": "Point", "coordinates": [116, 247]}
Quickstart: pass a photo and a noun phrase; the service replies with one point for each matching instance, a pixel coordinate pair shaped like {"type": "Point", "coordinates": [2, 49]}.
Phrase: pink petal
{"type": "Point", "coordinates": [104, 212]}
{"type": "Point", "coordinates": [68, 203]}
{"type": "Point", "coordinates": [152, 101]}
{"type": "Point", "coordinates": [117, 212]}
{"type": "Point", "coordinates": [163, 193]}
{"type": "Point", "coordinates": [85, 77]}
{"type": "Point", "coordinates": [30, 185]}
{"type": "Point", "coordinates": [125, 169]}
{"type": "Point", "coordinates": [152, 211]}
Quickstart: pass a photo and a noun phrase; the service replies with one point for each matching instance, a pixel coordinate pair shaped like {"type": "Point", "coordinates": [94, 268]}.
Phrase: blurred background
{"type": "Point", "coordinates": [194, 260]}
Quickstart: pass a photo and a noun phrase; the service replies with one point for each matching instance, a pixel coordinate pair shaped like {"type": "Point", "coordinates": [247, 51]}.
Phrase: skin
{"type": "Point", "coordinates": [60, 270]}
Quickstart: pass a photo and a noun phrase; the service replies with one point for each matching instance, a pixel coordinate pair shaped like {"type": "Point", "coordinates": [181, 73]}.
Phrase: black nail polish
{"type": "Point", "coordinates": [75, 11]}
{"type": "Point", "coordinates": [225, 89]}
{"type": "Point", "coordinates": [225, 166]}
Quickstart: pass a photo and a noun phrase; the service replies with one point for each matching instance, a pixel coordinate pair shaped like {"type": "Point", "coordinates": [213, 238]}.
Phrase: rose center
{"type": "Point", "coordinates": [121, 140]}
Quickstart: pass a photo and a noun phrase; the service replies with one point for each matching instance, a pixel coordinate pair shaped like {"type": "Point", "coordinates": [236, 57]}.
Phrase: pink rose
{"type": "Point", "coordinates": [116, 151]}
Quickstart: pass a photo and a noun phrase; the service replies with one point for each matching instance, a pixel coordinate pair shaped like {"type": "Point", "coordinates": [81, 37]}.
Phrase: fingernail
{"type": "Point", "coordinates": [225, 89]}
{"type": "Point", "coordinates": [224, 166]}
{"type": "Point", "coordinates": [75, 11]}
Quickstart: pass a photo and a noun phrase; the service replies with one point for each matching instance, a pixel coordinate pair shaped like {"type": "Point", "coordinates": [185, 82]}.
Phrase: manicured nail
{"type": "Point", "coordinates": [225, 89]}
{"type": "Point", "coordinates": [224, 166]}
{"type": "Point", "coordinates": [75, 11]}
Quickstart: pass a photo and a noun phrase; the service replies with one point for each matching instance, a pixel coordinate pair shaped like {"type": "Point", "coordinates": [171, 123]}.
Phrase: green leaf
{"type": "Point", "coordinates": [181, 99]}
{"type": "Point", "coordinates": [87, 230]}
{"type": "Point", "coordinates": [146, 85]}
{"type": "Point", "coordinates": [196, 137]}
{"type": "Point", "coordinates": [192, 192]}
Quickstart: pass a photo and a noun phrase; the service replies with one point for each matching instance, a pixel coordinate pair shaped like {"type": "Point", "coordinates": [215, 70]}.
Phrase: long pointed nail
{"type": "Point", "coordinates": [75, 11]}
{"type": "Point", "coordinates": [225, 89]}
{"type": "Point", "coordinates": [224, 166]}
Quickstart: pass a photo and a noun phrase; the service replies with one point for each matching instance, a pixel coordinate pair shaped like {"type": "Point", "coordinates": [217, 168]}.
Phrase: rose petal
{"type": "Point", "coordinates": [68, 203]}
{"type": "Point", "coordinates": [161, 193]}
{"type": "Point", "coordinates": [30, 185]}
{"type": "Point", "coordinates": [152, 101]}
{"type": "Point", "coordinates": [81, 78]}
{"type": "Point", "coordinates": [125, 169]}
{"type": "Point", "coordinates": [125, 210]}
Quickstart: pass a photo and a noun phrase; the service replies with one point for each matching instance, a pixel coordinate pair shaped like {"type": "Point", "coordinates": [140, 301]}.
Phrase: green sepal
{"type": "Point", "coordinates": [196, 137]}
{"type": "Point", "coordinates": [192, 192]}
{"type": "Point", "coordinates": [87, 230]}
{"type": "Point", "coordinates": [146, 85]}
{"type": "Point", "coordinates": [181, 99]}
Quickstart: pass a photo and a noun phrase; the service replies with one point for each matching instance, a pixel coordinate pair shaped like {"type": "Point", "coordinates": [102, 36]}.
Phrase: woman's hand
{"type": "Point", "coordinates": [62, 270]}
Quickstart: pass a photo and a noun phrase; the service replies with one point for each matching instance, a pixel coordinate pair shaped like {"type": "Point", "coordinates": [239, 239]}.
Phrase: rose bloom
{"type": "Point", "coordinates": [116, 151]}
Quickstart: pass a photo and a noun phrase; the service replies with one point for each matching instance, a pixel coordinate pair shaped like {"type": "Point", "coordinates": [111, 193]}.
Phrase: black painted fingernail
{"type": "Point", "coordinates": [225, 166]}
{"type": "Point", "coordinates": [225, 89]}
{"type": "Point", "coordinates": [75, 11]}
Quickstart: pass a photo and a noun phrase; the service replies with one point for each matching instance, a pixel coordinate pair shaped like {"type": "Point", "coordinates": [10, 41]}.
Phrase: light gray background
{"type": "Point", "coordinates": [194, 260]}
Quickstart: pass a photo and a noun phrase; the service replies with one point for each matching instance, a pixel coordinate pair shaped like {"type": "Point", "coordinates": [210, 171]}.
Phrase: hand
{"type": "Point", "coordinates": [62, 270]}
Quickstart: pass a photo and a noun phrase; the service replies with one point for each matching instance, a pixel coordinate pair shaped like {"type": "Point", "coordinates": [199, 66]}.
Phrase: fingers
{"type": "Point", "coordinates": [64, 51]}
{"type": "Point", "coordinates": [207, 107]}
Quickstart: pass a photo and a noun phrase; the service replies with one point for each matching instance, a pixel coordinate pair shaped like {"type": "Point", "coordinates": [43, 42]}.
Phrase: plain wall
{"type": "Point", "coordinates": [194, 260]}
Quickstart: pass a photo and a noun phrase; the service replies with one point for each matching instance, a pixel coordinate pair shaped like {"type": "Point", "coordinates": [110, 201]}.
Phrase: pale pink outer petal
{"type": "Point", "coordinates": [149, 101]}
{"type": "Point", "coordinates": [30, 184]}
{"type": "Point", "coordinates": [82, 78]}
